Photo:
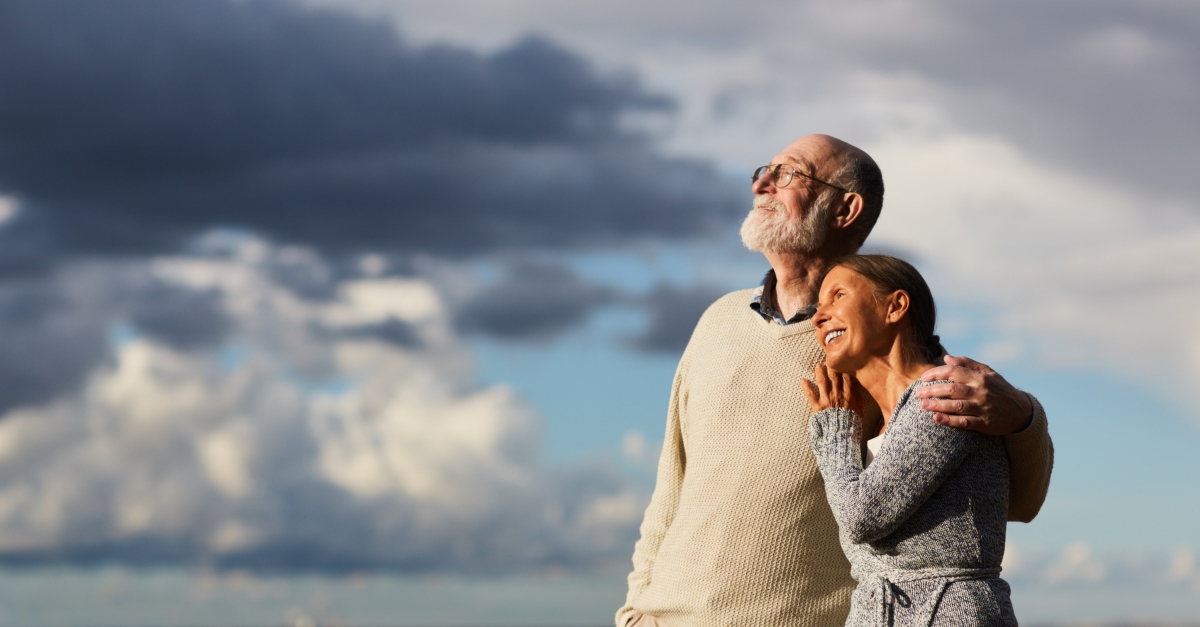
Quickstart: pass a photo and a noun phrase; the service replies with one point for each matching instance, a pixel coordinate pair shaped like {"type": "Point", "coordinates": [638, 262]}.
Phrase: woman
{"type": "Point", "coordinates": [922, 509]}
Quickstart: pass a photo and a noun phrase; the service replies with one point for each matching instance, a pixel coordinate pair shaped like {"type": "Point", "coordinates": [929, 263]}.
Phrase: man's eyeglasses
{"type": "Point", "coordinates": [782, 174]}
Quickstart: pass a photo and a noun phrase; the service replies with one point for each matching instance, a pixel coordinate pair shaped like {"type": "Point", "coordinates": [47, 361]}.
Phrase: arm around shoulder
{"type": "Point", "coordinates": [1031, 457]}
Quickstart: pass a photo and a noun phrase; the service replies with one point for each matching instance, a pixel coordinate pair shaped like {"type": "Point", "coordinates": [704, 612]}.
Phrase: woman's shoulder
{"type": "Point", "coordinates": [908, 401]}
{"type": "Point", "coordinates": [909, 417]}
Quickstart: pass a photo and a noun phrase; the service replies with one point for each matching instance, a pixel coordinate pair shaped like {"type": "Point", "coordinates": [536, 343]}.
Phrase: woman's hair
{"type": "Point", "coordinates": [890, 274]}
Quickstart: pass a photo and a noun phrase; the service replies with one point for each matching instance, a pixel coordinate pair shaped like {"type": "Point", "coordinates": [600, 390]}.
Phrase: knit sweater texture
{"type": "Point", "coordinates": [923, 526]}
{"type": "Point", "coordinates": [738, 531]}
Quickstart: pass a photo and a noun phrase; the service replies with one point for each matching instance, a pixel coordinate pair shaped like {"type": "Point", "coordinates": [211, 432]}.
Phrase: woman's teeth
{"type": "Point", "coordinates": [834, 334]}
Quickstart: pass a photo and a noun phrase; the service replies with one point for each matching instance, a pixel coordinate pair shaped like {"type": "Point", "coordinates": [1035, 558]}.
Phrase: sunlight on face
{"type": "Point", "coordinates": [769, 227]}
{"type": "Point", "coordinates": [851, 320]}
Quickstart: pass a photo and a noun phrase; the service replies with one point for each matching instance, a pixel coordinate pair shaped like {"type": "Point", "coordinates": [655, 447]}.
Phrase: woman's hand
{"type": "Point", "coordinates": [832, 389]}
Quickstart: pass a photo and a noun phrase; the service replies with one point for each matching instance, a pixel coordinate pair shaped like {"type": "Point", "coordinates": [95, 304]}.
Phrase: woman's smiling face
{"type": "Point", "coordinates": [851, 320]}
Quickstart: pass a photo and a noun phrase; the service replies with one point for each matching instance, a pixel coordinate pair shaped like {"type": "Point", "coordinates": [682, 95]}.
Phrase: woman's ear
{"type": "Point", "coordinates": [897, 304]}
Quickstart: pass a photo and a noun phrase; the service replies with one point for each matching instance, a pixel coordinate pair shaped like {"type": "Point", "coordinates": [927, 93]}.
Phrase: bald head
{"type": "Point", "coordinates": [824, 152]}
{"type": "Point", "coordinates": [846, 166]}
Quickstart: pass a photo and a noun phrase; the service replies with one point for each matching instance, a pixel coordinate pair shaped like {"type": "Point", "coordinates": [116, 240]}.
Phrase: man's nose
{"type": "Point", "coordinates": [764, 185]}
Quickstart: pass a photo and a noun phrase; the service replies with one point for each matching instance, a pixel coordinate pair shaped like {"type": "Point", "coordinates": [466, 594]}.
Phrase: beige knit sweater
{"type": "Point", "coordinates": [738, 531]}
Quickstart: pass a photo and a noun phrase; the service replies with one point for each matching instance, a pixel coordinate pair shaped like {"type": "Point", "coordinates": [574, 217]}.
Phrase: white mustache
{"type": "Point", "coordinates": [766, 202]}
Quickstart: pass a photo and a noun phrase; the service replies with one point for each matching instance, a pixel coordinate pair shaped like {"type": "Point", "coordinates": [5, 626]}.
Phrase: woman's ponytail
{"type": "Point", "coordinates": [932, 350]}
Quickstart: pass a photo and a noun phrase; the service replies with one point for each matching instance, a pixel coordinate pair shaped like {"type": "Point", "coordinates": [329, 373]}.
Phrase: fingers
{"type": "Point", "coordinates": [817, 390]}
{"type": "Point", "coordinates": [959, 422]}
{"type": "Point", "coordinates": [835, 389]}
{"type": "Point", "coordinates": [969, 364]}
{"type": "Point", "coordinates": [957, 369]}
{"type": "Point", "coordinates": [945, 390]}
{"type": "Point", "coordinates": [971, 423]}
{"type": "Point", "coordinates": [830, 389]}
{"type": "Point", "coordinates": [957, 374]}
{"type": "Point", "coordinates": [938, 372]}
{"type": "Point", "coordinates": [821, 375]}
{"type": "Point", "coordinates": [958, 407]}
{"type": "Point", "coordinates": [810, 391]}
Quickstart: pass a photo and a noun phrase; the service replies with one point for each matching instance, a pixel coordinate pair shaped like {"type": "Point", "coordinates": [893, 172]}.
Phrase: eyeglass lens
{"type": "Point", "coordinates": [781, 175]}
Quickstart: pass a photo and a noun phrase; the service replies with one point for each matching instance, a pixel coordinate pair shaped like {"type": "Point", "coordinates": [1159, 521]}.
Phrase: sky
{"type": "Point", "coordinates": [362, 312]}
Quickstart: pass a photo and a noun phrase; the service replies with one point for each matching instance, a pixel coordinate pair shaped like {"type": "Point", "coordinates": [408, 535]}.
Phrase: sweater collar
{"type": "Point", "coordinates": [763, 303]}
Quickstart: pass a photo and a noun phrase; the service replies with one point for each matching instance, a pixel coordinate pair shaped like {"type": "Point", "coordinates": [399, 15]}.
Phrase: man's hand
{"type": "Point", "coordinates": [977, 398]}
{"type": "Point", "coordinates": [831, 389]}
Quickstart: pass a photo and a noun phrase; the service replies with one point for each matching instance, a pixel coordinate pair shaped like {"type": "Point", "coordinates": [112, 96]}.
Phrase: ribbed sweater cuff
{"type": "Point", "coordinates": [834, 434]}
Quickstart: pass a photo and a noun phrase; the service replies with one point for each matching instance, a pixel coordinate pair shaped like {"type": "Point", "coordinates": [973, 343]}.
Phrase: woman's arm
{"type": "Point", "coordinates": [917, 457]}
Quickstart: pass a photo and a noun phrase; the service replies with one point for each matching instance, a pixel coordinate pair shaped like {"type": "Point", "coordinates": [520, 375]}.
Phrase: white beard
{"type": "Point", "coordinates": [773, 231]}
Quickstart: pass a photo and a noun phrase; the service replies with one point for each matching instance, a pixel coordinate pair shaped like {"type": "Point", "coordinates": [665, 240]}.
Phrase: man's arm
{"type": "Point", "coordinates": [1031, 454]}
{"type": "Point", "coordinates": [979, 399]}
{"type": "Point", "coordinates": [663, 504]}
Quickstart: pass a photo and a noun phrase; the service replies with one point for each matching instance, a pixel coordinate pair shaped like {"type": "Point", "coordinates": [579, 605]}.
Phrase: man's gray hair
{"type": "Point", "coordinates": [860, 175]}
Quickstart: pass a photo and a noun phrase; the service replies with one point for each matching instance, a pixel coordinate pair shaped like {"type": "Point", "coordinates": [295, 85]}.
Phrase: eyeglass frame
{"type": "Point", "coordinates": [774, 170]}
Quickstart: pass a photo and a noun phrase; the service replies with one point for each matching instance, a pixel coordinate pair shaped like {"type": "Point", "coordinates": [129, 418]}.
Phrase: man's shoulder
{"type": "Point", "coordinates": [718, 318]}
{"type": "Point", "coordinates": [732, 308]}
{"type": "Point", "coordinates": [735, 302]}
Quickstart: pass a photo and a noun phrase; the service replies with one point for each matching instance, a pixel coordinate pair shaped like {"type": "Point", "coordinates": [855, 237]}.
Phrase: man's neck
{"type": "Point", "coordinates": [797, 279]}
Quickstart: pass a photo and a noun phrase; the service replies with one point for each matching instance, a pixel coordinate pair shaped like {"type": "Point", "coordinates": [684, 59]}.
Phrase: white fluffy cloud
{"type": "Point", "coordinates": [1078, 270]}
{"type": "Point", "coordinates": [335, 432]}
{"type": "Point", "coordinates": [1076, 563]}
{"type": "Point", "coordinates": [1080, 566]}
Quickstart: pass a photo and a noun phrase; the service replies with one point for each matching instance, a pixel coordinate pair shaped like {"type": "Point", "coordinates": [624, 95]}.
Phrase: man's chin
{"type": "Point", "coordinates": [768, 231]}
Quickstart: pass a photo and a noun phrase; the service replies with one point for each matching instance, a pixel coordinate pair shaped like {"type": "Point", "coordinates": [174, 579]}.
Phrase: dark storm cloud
{"type": "Point", "coordinates": [392, 331]}
{"type": "Point", "coordinates": [47, 344]}
{"type": "Point", "coordinates": [674, 313]}
{"type": "Point", "coordinates": [126, 127]}
{"type": "Point", "coordinates": [533, 300]}
{"type": "Point", "coordinates": [180, 317]}
{"type": "Point", "coordinates": [55, 331]}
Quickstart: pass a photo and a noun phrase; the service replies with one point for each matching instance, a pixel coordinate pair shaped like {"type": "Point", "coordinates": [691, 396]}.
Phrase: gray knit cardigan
{"type": "Point", "coordinates": [923, 525]}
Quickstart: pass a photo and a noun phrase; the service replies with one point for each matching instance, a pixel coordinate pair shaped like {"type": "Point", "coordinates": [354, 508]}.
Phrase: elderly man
{"type": "Point", "coordinates": [738, 531]}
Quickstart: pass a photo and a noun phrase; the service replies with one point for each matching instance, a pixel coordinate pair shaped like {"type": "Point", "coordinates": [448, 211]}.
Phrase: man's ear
{"type": "Point", "coordinates": [849, 211]}
{"type": "Point", "coordinates": [897, 304]}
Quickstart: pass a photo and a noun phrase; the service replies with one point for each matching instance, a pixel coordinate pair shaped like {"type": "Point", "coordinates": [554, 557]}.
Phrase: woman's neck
{"type": "Point", "coordinates": [886, 377]}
